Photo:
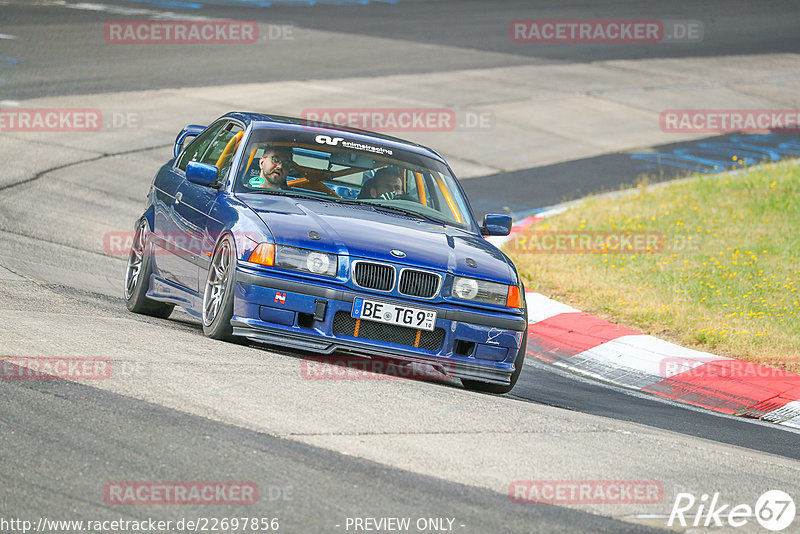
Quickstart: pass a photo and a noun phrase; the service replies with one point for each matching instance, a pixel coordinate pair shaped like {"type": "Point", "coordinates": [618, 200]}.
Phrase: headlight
{"type": "Point", "coordinates": [486, 292]}
{"type": "Point", "coordinates": [465, 288]}
{"type": "Point", "coordinates": [307, 261]}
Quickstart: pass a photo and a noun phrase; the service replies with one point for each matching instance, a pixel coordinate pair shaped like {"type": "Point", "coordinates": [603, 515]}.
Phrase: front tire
{"type": "Point", "coordinates": [137, 277]}
{"type": "Point", "coordinates": [218, 293]}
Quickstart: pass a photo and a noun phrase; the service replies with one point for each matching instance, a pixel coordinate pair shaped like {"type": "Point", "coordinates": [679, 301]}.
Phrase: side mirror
{"type": "Point", "coordinates": [201, 173]}
{"type": "Point", "coordinates": [496, 224]}
{"type": "Point", "coordinates": [187, 134]}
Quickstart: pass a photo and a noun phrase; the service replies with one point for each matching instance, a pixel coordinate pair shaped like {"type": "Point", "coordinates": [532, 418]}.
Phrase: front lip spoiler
{"type": "Point", "coordinates": [518, 324]}
{"type": "Point", "coordinates": [323, 345]}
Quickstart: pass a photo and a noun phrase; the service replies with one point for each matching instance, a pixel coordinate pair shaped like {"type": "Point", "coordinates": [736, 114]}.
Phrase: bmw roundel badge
{"type": "Point", "coordinates": [398, 253]}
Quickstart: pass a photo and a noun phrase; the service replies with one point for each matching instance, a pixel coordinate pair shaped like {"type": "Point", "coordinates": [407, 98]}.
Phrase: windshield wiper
{"type": "Point", "coordinates": [404, 211]}
{"type": "Point", "coordinates": [393, 209]}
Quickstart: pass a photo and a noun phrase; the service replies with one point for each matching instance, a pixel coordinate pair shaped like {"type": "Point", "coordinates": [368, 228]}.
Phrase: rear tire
{"type": "Point", "coordinates": [137, 277]}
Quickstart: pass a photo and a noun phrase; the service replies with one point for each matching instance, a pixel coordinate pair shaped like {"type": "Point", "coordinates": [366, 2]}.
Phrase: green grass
{"type": "Point", "coordinates": [726, 278]}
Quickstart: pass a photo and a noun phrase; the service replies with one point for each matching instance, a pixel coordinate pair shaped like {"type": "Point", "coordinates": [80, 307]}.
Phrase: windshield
{"type": "Point", "coordinates": [337, 169]}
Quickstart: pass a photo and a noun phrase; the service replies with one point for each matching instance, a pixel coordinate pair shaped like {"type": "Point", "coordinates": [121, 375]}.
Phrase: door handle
{"type": "Point", "coordinates": [178, 197]}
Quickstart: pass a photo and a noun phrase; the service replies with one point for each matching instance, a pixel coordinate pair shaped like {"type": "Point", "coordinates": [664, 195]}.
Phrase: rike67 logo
{"type": "Point", "coordinates": [774, 510]}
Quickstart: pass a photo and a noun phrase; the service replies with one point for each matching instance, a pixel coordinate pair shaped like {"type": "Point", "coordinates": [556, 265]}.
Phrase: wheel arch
{"type": "Point", "coordinates": [150, 216]}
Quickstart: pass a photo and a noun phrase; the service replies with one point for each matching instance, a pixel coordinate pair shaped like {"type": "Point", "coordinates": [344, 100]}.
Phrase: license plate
{"type": "Point", "coordinates": [384, 312]}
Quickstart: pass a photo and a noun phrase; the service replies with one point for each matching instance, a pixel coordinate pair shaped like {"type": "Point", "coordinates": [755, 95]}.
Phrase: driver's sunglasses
{"type": "Point", "coordinates": [278, 161]}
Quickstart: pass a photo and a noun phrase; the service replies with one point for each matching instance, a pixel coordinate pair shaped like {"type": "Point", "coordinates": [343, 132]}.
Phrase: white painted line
{"type": "Point", "coordinates": [541, 307]}
{"type": "Point", "coordinates": [789, 415]}
{"type": "Point", "coordinates": [9, 103]}
{"type": "Point", "coordinates": [576, 374]}
{"type": "Point", "coordinates": [131, 11]}
{"type": "Point", "coordinates": [7, 36]}
{"type": "Point", "coordinates": [794, 423]}
{"type": "Point", "coordinates": [641, 358]}
{"type": "Point", "coordinates": [88, 6]}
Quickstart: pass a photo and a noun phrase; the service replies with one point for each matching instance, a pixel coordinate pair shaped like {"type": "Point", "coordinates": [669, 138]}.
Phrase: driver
{"type": "Point", "coordinates": [386, 184]}
{"type": "Point", "coordinates": [275, 163]}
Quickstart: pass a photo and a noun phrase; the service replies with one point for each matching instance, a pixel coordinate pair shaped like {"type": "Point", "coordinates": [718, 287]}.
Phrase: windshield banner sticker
{"type": "Point", "coordinates": [338, 141]}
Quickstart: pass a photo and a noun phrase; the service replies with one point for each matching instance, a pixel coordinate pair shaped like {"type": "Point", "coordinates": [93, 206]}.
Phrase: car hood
{"type": "Point", "coordinates": [362, 232]}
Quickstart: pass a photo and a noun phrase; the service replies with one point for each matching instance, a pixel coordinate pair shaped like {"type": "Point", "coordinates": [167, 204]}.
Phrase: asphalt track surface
{"type": "Point", "coordinates": [470, 34]}
{"type": "Point", "coordinates": [85, 436]}
{"type": "Point", "coordinates": [528, 191]}
{"type": "Point", "coordinates": [308, 488]}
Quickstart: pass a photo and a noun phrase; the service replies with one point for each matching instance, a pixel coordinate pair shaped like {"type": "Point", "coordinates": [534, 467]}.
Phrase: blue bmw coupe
{"type": "Point", "coordinates": [322, 238]}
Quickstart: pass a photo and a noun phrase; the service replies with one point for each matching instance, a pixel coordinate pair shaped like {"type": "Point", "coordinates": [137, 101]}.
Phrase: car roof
{"type": "Point", "coordinates": [262, 120]}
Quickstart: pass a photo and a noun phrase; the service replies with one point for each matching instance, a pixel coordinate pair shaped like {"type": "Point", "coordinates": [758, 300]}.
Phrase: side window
{"type": "Point", "coordinates": [218, 145]}
{"type": "Point", "coordinates": [197, 147]}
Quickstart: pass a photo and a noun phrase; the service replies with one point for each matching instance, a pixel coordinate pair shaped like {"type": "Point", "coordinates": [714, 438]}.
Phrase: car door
{"type": "Point", "coordinates": [170, 239]}
{"type": "Point", "coordinates": [194, 203]}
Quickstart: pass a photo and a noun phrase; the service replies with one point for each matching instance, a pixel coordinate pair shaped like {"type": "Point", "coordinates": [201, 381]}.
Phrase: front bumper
{"type": "Point", "coordinates": [310, 316]}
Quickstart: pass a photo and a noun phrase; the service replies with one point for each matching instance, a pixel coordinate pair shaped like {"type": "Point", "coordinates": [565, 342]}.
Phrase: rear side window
{"type": "Point", "coordinates": [198, 147]}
